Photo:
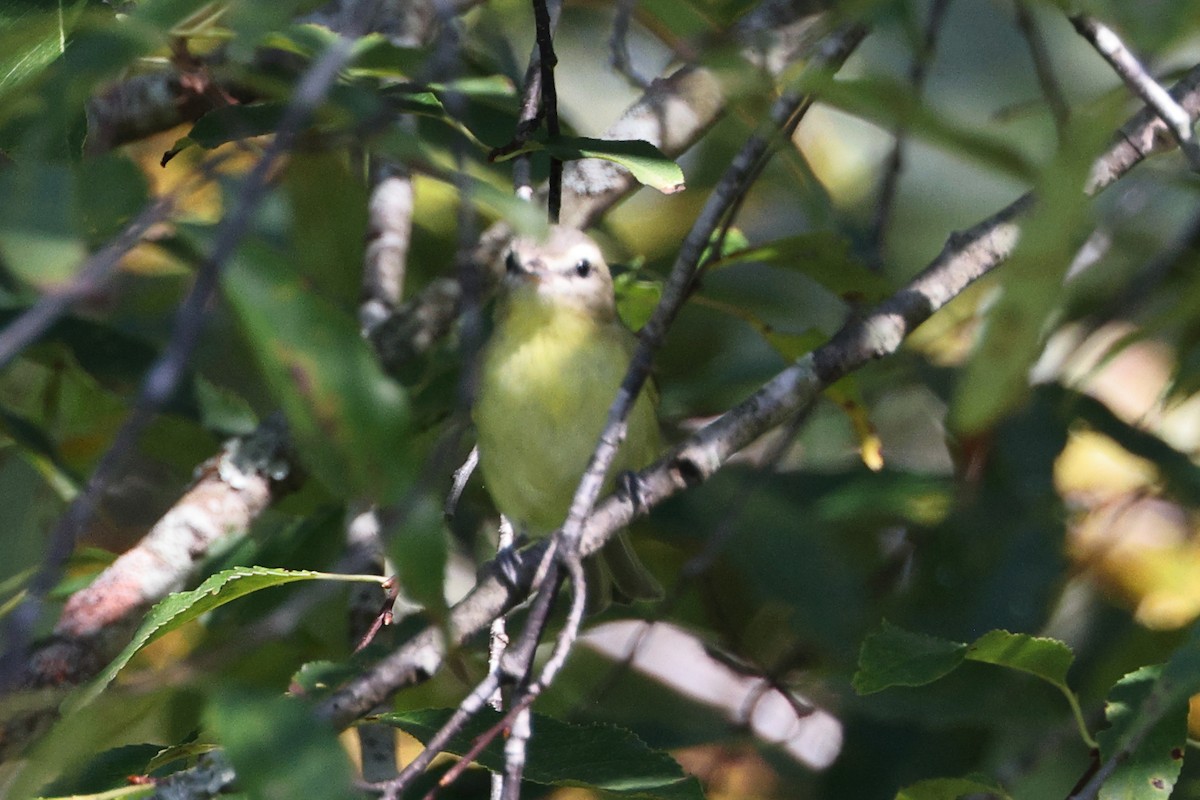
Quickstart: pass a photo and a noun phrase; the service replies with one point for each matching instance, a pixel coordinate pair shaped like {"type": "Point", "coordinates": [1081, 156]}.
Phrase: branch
{"type": "Point", "coordinates": [966, 257]}
{"type": "Point", "coordinates": [917, 73]}
{"type": "Point", "coordinates": [163, 377]}
{"type": "Point", "coordinates": [547, 61]}
{"type": "Point", "coordinates": [389, 234]}
{"type": "Point", "coordinates": [232, 489]}
{"type": "Point", "coordinates": [673, 114]}
{"type": "Point", "coordinates": [1140, 82]}
{"type": "Point", "coordinates": [1042, 67]}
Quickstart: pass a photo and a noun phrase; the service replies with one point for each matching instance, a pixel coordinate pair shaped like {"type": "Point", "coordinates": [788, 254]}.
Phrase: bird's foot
{"type": "Point", "coordinates": [629, 486]}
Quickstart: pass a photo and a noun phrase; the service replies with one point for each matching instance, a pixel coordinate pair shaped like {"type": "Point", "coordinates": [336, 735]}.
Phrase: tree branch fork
{"type": "Point", "coordinates": [966, 256]}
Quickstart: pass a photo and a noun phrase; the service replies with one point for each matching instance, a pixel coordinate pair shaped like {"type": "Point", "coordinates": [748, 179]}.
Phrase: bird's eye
{"type": "Point", "coordinates": [583, 268]}
{"type": "Point", "coordinates": [511, 264]}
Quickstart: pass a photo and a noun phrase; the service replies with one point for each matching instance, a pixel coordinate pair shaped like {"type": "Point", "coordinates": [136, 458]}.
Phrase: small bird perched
{"type": "Point", "coordinates": [549, 374]}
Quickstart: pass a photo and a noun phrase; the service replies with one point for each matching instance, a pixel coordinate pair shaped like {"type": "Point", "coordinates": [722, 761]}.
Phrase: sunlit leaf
{"type": "Point", "coordinates": [1048, 659]}
{"type": "Point", "coordinates": [845, 393]}
{"type": "Point", "coordinates": [1150, 737]}
{"type": "Point", "coordinates": [182, 607]}
{"type": "Point", "coordinates": [644, 161]}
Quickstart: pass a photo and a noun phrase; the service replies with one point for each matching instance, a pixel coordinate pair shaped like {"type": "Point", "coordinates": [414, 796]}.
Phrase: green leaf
{"type": "Point", "coordinates": [893, 656]}
{"type": "Point", "coordinates": [644, 161]}
{"type": "Point", "coordinates": [347, 417]}
{"type": "Point", "coordinates": [39, 240]}
{"type": "Point", "coordinates": [109, 770]}
{"type": "Point", "coordinates": [1048, 659]}
{"type": "Point", "coordinates": [419, 549]}
{"type": "Point", "coordinates": [997, 378]}
{"type": "Point", "coordinates": [822, 256]}
{"type": "Point", "coordinates": [950, 789]}
{"type": "Point", "coordinates": [234, 123]}
{"type": "Point", "coordinates": [890, 104]}
{"type": "Point", "coordinates": [327, 237]}
{"type": "Point", "coordinates": [112, 190]}
{"type": "Point", "coordinates": [1147, 711]}
{"type": "Point", "coordinates": [602, 757]}
{"type": "Point", "coordinates": [182, 607]}
{"type": "Point", "coordinates": [793, 346]}
{"type": "Point", "coordinates": [636, 298]}
{"type": "Point", "coordinates": [376, 56]}
{"type": "Point", "coordinates": [32, 35]}
{"type": "Point", "coordinates": [279, 747]}
{"type": "Point", "coordinates": [1153, 766]}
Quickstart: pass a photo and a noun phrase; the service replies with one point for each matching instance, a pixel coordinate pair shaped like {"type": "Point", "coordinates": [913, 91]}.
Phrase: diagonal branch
{"type": "Point", "coordinates": [164, 376]}
{"type": "Point", "coordinates": [966, 257]}
{"type": "Point", "coordinates": [1109, 45]}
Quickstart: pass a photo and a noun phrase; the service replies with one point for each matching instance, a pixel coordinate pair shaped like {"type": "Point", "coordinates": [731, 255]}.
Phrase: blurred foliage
{"type": "Point", "coordinates": [1003, 514]}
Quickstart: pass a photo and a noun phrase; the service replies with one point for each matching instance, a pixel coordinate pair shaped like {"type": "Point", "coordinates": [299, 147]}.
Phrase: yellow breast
{"type": "Point", "coordinates": [548, 377]}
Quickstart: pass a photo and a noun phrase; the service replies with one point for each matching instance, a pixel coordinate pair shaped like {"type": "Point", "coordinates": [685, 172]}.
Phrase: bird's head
{"type": "Point", "coordinates": [565, 270]}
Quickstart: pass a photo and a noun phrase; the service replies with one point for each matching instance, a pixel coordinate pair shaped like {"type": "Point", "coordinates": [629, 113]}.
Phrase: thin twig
{"type": "Point", "coordinates": [966, 257]}
{"type": "Point", "coordinates": [529, 114]}
{"type": "Point", "coordinates": [33, 323]}
{"type": "Point", "coordinates": [734, 183]}
{"type": "Point", "coordinates": [546, 63]}
{"type": "Point", "coordinates": [618, 45]}
{"type": "Point", "coordinates": [918, 70]}
{"type": "Point", "coordinates": [164, 375]}
{"type": "Point", "coordinates": [1109, 45]}
{"type": "Point", "coordinates": [389, 234]}
{"type": "Point", "coordinates": [498, 637]}
{"type": "Point", "coordinates": [1043, 67]}
{"type": "Point", "coordinates": [475, 702]}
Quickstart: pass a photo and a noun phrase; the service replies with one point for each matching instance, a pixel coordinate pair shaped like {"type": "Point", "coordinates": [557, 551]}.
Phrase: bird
{"type": "Point", "coordinates": [548, 375]}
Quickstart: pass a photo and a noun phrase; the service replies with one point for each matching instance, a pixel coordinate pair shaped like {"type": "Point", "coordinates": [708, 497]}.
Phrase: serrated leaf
{"type": "Point", "coordinates": [347, 417]}
{"type": "Point", "coordinates": [1152, 767]}
{"type": "Point", "coordinates": [893, 656]}
{"type": "Point", "coordinates": [1048, 659]}
{"type": "Point", "coordinates": [602, 757]}
{"type": "Point", "coordinates": [950, 789]}
{"type": "Point", "coordinates": [182, 607]}
{"type": "Point", "coordinates": [1151, 706]}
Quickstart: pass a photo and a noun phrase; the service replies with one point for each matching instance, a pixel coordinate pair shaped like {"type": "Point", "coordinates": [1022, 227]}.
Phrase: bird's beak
{"type": "Point", "coordinates": [532, 271]}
